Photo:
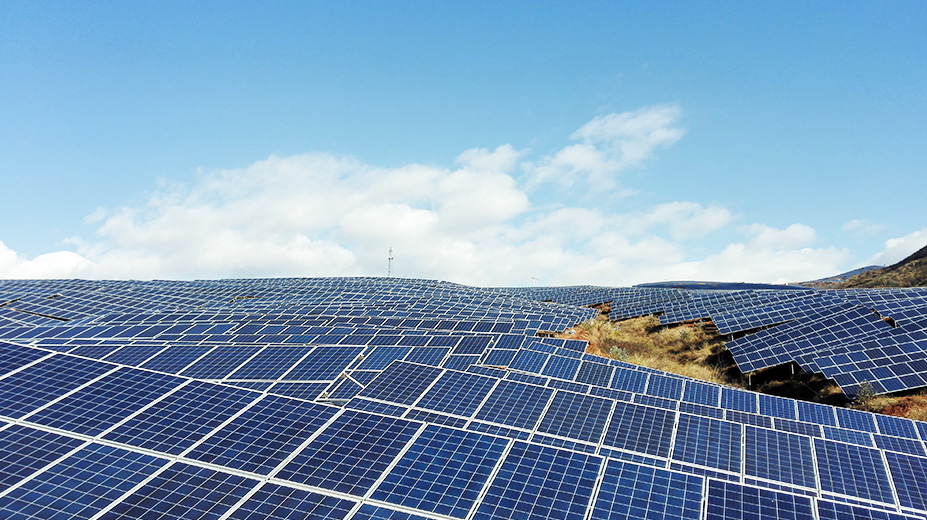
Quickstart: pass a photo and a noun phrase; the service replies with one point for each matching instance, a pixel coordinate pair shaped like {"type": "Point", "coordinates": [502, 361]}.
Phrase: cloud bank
{"type": "Point", "coordinates": [472, 222]}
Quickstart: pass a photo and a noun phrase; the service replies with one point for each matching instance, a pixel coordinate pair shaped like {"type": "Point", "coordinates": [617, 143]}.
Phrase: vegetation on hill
{"type": "Point", "coordinates": [688, 351]}
{"type": "Point", "coordinates": [910, 272]}
{"type": "Point", "coordinates": [695, 351]}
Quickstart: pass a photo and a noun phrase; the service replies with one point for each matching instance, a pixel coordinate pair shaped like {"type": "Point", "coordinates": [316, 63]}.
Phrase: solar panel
{"type": "Point", "coordinates": [275, 502]}
{"type": "Point", "coordinates": [515, 404]}
{"type": "Point", "coordinates": [630, 491]}
{"type": "Point", "coordinates": [99, 406]}
{"type": "Point", "coordinates": [420, 424]}
{"type": "Point", "coordinates": [539, 482]}
{"type": "Point", "coordinates": [841, 467]}
{"type": "Point", "coordinates": [264, 435]}
{"type": "Point", "coordinates": [81, 485]}
{"type": "Point", "coordinates": [350, 454]}
{"type": "Point", "coordinates": [576, 416]}
{"type": "Point", "coordinates": [641, 429]}
{"type": "Point", "coordinates": [779, 456]}
{"type": "Point", "coordinates": [182, 418]}
{"type": "Point", "coordinates": [442, 472]}
{"type": "Point", "coordinates": [183, 492]}
{"type": "Point", "coordinates": [708, 442]}
{"type": "Point", "coordinates": [728, 500]}
{"type": "Point", "coordinates": [26, 450]}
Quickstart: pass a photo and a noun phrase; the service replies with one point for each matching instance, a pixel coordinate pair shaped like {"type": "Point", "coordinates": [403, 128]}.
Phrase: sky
{"type": "Point", "coordinates": [485, 143]}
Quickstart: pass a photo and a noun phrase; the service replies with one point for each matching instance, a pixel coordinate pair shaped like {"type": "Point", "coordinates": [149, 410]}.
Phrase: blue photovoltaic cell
{"type": "Point", "coordinates": [273, 502]}
{"type": "Point", "coordinates": [460, 362]}
{"type": "Point", "coordinates": [561, 367]}
{"type": "Point", "coordinates": [540, 483]}
{"type": "Point", "coordinates": [855, 420]}
{"type": "Point", "coordinates": [848, 436]}
{"type": "Point", "coordinates": [748, 418]}
{"type": "Point", "coordinates": [515, 404]}
{"type": "Point", "coordinates": [372, 512]}
{"type": "Point", "coordinates": [701, 393]}
{"type": "Point", "coordinates": [499, 357]}
{"type": "Point", "coordinates": [366, 405]}
{"type": "Point", "coordinates": [351, 453]}
{"type": "Point", "coordinates": [839, 511]}
{"type": "Point", "coordinates": [95, 408]}
{"type": "Point", "coordinates": [900, 444]}
{"type": "Point", "coordinates": [183, 492]}
{"type": "Point", "coordinates": [381, 357]}
{"type": "Point", "coordinates": [44, 382]}
{"type": "Point", "coordinates": [816, 413]}
{"type": "Point", "coordinates": [173, 424]}
{"type": "Point", "coordinates": [436, 418]}
{"type": "Point", "coordinates": [307, 391]}
{"type": "Point", "coordinates": [708, 442]}
{"type": "Point", "coordinates": [739, 400]}
{"type": "Point", "coordinates": [631, 492]}
{"type": "Point", "coordinates": [325, 363]}
{"type": "Point", "coordinates": [427, 355]}
{"type": "Point", "coordinates": [401, 383]}
{"type": "Point", "coordinates": [727, 501]}
{"type": "Point", "coordinates": [665, 387]}
{"type": "Point", "coordinates": [529, 361]}
{"type": "Point", "coordinates": [457, 393]}
{"type": "Point", "coordinates": [14, 356]}
{"type": "Point", "coordinates": [779, 456]}
{"type": "Point", "coordinates": [95, 351]}
{"type": "Point", "coordinates": [26, 451]}
{"type": "Point", "coordinates": [594, 373]}
{"type": "Point", "coordinates": [640, 428]}
{"type": "Point", "coordinates": [897, 426]}
{"type": "Point", "coordinates": [443, 471]}
{"type": "Point", "coordinates": [175, 359]}
{"type": "Point", "coordinates": [801, 428]}
{"type": "Point", "coordinates": [220, 362]}
{"type": "Point", "coordinates": [270, 363]}
{"type": "Point", "coordinates": [343, 389]}
{"type": "Point", "coordinates": [264, 435]}
{"type": "Point", "coordinates": [909, 475]}
{"type": "Point", "coordinates": [80, 485]}
{"type": "Point", "coordinates": [840, 467]}
{"type": "Point", "coordinates": [704, 411]}
{"type": "Point", "coordinates": [576, 416]}
{"type": "Point", "coordinates": [775, 406]}
{"type": "Point", "coordinates": [134, 355]}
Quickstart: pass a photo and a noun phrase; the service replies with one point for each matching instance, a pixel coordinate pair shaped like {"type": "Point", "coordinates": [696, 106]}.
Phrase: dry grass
{"type": "Point", "coordinates": [910, 406]}
{"type": "Point", "coordinates": [686, 351]}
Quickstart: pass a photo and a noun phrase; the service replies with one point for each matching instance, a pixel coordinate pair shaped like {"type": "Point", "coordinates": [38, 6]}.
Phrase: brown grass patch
{"type": "Point", "coordinates": [687, 350]}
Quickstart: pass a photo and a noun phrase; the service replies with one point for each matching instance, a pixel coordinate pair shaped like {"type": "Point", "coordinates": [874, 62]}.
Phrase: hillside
{"type": "Point", "coordinates": [910, 272]}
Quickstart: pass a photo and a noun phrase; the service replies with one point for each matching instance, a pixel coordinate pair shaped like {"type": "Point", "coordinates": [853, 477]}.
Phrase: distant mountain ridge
{"type": "Point", "coordinates": [910, 272]}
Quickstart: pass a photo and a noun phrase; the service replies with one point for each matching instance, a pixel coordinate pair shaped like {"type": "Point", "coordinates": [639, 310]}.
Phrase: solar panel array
{"type": "Point", "coordinates": [386, 398]}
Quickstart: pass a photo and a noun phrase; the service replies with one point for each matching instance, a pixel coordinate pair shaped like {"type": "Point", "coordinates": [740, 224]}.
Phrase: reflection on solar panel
{"type": "Point", "coordinates": [365, 398]}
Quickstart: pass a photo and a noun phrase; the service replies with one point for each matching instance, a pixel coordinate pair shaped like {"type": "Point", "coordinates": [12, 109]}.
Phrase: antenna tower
{"type": "Point", "coordinates": [389, 271]}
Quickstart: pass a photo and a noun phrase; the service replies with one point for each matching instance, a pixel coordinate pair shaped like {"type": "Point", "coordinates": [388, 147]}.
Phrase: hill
{"type": "Point", "coordinates": [910, 272]}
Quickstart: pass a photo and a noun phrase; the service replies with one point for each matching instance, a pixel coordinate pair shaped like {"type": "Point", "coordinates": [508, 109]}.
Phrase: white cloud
{"type": "Point", "coordinates": [796, 236]}
{"type": "Point", "coordinates": [473, 222]}
{"type": "Point", "coordinates": [59, 264]}
{"type": "Point", "coordinates": [609, 144]}
{"type": "Point", "coordinates": [897, 249]}
{"type": "Point", "coordinates": [863, 227]}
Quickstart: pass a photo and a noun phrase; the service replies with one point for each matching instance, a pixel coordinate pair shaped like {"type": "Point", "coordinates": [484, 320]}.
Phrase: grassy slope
{"type": "Point", "coordinates": [691, 351]}
{"type": "Point", "coordinates": [910, 272]}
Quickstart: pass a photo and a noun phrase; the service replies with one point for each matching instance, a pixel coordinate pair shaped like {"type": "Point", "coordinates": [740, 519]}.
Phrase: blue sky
{"type": "Point", "coordinates": [602, 143]}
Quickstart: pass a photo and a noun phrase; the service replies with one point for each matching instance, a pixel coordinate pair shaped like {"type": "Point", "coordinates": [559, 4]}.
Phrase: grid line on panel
{"type": "Point", "coordinates": [443, 471]}
{"type": "Point", "coordinates": [538, 482]}
{"type": "Point", "coordinates": [351, 453]}
{"type": "Point", "coordinates": [264, 435]}
{"type": "Point", "coordinates": [80, 485]}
